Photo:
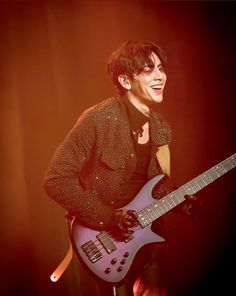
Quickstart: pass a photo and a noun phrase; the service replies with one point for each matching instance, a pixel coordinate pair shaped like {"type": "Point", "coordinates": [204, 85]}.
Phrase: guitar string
{"type": "Point", "coordinates": [151, 212]}
{"type": "Point", "coordinates": [107, 235]}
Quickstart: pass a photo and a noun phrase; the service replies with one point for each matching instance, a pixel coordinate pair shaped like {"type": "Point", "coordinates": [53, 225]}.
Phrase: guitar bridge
{"type": "Point", "coordinates": [107, 242]}
{"type": "Point", "coordinates": [91, 251]}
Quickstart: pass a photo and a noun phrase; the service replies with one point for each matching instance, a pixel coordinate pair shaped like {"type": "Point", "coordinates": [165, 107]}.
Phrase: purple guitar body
{"type": "Point", "coordinates": [114, 263]}
{"type": "Point", "coordinates": [110, 259]}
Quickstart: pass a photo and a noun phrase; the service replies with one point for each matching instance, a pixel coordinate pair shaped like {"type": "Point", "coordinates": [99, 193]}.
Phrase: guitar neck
{"type": "Point", "coordinates": [173, 199]}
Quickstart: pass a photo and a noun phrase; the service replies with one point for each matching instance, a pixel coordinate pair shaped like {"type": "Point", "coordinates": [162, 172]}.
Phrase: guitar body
{"type": "Point", "coordinates": [109, 258]}
{"type": "Point", "coordinates": [112, 262]}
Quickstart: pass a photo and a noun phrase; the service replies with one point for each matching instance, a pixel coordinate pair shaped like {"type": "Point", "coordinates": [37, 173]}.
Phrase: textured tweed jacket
{"type": "Point", "coordinates": [96, 158]}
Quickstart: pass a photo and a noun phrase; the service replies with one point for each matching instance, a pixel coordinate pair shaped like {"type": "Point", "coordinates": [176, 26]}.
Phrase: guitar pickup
{"type": "Point", "coordinates": [107, 242]}
{"type": "Point", "coordinates": [91, 251]}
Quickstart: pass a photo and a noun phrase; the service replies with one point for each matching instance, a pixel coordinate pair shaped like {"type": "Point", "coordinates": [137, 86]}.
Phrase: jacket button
{"type": "Point", "coordinates": [132, 155]}
{"type": "Point", "coordinates": [112, 202]}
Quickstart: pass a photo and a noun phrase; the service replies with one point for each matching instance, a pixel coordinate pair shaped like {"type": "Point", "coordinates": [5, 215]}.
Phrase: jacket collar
{"type": "Point", "coordinates": [155, 120]}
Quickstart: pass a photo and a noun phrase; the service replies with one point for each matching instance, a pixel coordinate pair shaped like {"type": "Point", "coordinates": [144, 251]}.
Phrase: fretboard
{"type": "Point", "coordinates": [173, 199]}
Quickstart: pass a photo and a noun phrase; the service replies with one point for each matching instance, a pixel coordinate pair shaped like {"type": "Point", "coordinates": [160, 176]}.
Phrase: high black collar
{"type": "Point", "coordinates": [136, 118]}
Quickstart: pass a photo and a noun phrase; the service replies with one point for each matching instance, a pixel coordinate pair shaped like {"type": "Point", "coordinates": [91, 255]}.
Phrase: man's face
{"type": "Point", "coordinates": [147, 86]}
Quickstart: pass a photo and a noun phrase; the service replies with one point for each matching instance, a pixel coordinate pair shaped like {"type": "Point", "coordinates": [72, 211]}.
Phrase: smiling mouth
{"type": "Point", "coordinates": [157, 89]}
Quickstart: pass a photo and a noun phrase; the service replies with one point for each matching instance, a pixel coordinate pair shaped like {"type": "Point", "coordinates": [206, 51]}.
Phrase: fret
{"type": "Point", "coordinates": [143, 218]}
{"type": "Point", "coordinates": [148, 218]}
{"type": "Point", "coordinates": [179, 194]}
{"type": "Point", "coordinates": [215, 174]}
{"type": "Point", "coordinates": [171, 195]}
{"type": "Point", "coordinates": [207, 179]}
{"type": "Point", "coordinates": [148, 215]}
{"type": "Point", "coordinates": [167, 198]}
{"type": "Point", "coordinates": [194, 187]}
{"type": "Point", "coordinates": [158, 208]}
{"type": "Point", "coordinates": [163, 204]}
{"type": "Point", "coordinates": [228, 165]}
{"type": "Point", "coordinates": [172, 200]}
{"type": "Point", "coordinates": [231, 162]}
{"type": "Point", "coordinates": [185, 189]}
{"type": "Point", "coordinates": [188, 189]}
{"type": "Point", "coordinates": [221, 170]}
{"type": "Point", "coordinates": [202, 181]}
{"type": "Point", "coordinates": [151, 213]}
{"type": "Point", "coordinates": [196, 184]}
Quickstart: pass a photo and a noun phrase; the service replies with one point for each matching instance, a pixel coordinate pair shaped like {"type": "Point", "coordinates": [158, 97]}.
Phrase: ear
{"type": "Point", "coordinates": [124, 81]}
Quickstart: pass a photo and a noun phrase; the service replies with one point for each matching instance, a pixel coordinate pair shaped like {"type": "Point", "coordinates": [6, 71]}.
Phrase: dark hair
{"type": "Point", "coordinates": [130, 58]}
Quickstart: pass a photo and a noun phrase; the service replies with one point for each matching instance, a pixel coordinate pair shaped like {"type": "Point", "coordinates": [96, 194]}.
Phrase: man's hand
{"type": "Point", "coordinates": [190, 206]}
{"type": "Point", "coordinates": [124, 220]}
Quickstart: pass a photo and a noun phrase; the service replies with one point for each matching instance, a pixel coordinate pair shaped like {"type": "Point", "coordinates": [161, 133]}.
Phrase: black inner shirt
{"type": "Point", "coordinates": [139, 177]}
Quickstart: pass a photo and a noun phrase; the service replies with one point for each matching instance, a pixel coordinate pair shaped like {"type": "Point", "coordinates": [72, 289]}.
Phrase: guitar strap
{"type": "Point", "coordinates": [163, 157]}
{"type": "Point", "coordinates": [54, 277]}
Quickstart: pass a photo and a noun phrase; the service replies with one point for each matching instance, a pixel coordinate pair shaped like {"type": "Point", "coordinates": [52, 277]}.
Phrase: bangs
{"type": "Point", "coordinates": [140, 62]}
{"type": "Point", "coordinates": [139, 55]}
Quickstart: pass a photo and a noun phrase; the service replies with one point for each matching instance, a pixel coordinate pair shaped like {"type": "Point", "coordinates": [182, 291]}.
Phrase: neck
{"type": "Point", "coordinates": [143, 108]}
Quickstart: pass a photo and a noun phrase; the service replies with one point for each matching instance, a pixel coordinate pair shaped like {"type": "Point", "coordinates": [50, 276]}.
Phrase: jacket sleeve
{"type": "Point", "coordinates": [62, 179]}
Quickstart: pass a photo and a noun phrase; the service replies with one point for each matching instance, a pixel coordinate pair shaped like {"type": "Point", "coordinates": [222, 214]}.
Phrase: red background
{"type": "Point", "coordinates": [52, 67]}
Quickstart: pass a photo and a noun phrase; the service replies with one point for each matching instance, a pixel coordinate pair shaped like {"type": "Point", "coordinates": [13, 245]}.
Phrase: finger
{"type": "Point", "coordinates": [132, 213]}
{"type": "Point", "coordinates": [127, 237]}
{"type": "Point", "coordinates": [122, 227]}
{"type": "Point", "coordinates": [128, 223]}
{"type": "Point", "coordinates": [129, 231]}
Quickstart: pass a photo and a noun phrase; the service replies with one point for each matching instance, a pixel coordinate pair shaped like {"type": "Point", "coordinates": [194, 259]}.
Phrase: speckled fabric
{"type": "Point", "coordinates": [96, 158]}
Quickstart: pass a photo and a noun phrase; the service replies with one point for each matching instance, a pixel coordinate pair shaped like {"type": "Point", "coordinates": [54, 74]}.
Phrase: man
{"type": "Point", "coordinates": [114, 148]}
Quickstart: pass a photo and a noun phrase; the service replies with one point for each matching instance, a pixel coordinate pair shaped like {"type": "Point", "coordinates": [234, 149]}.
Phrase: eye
{"type": "Point", "coordinates": [147, 69]}
{"type": "Point", "coordinates": [160, 67]}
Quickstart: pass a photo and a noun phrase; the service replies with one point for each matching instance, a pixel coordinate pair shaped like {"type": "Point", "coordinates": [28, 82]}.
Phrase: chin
{"type": "Point", "coordinates": [157, 100]}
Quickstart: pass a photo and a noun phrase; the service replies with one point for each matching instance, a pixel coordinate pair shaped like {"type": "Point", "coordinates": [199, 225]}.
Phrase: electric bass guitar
{"type": "Point", "coordinates": [110, 259]}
